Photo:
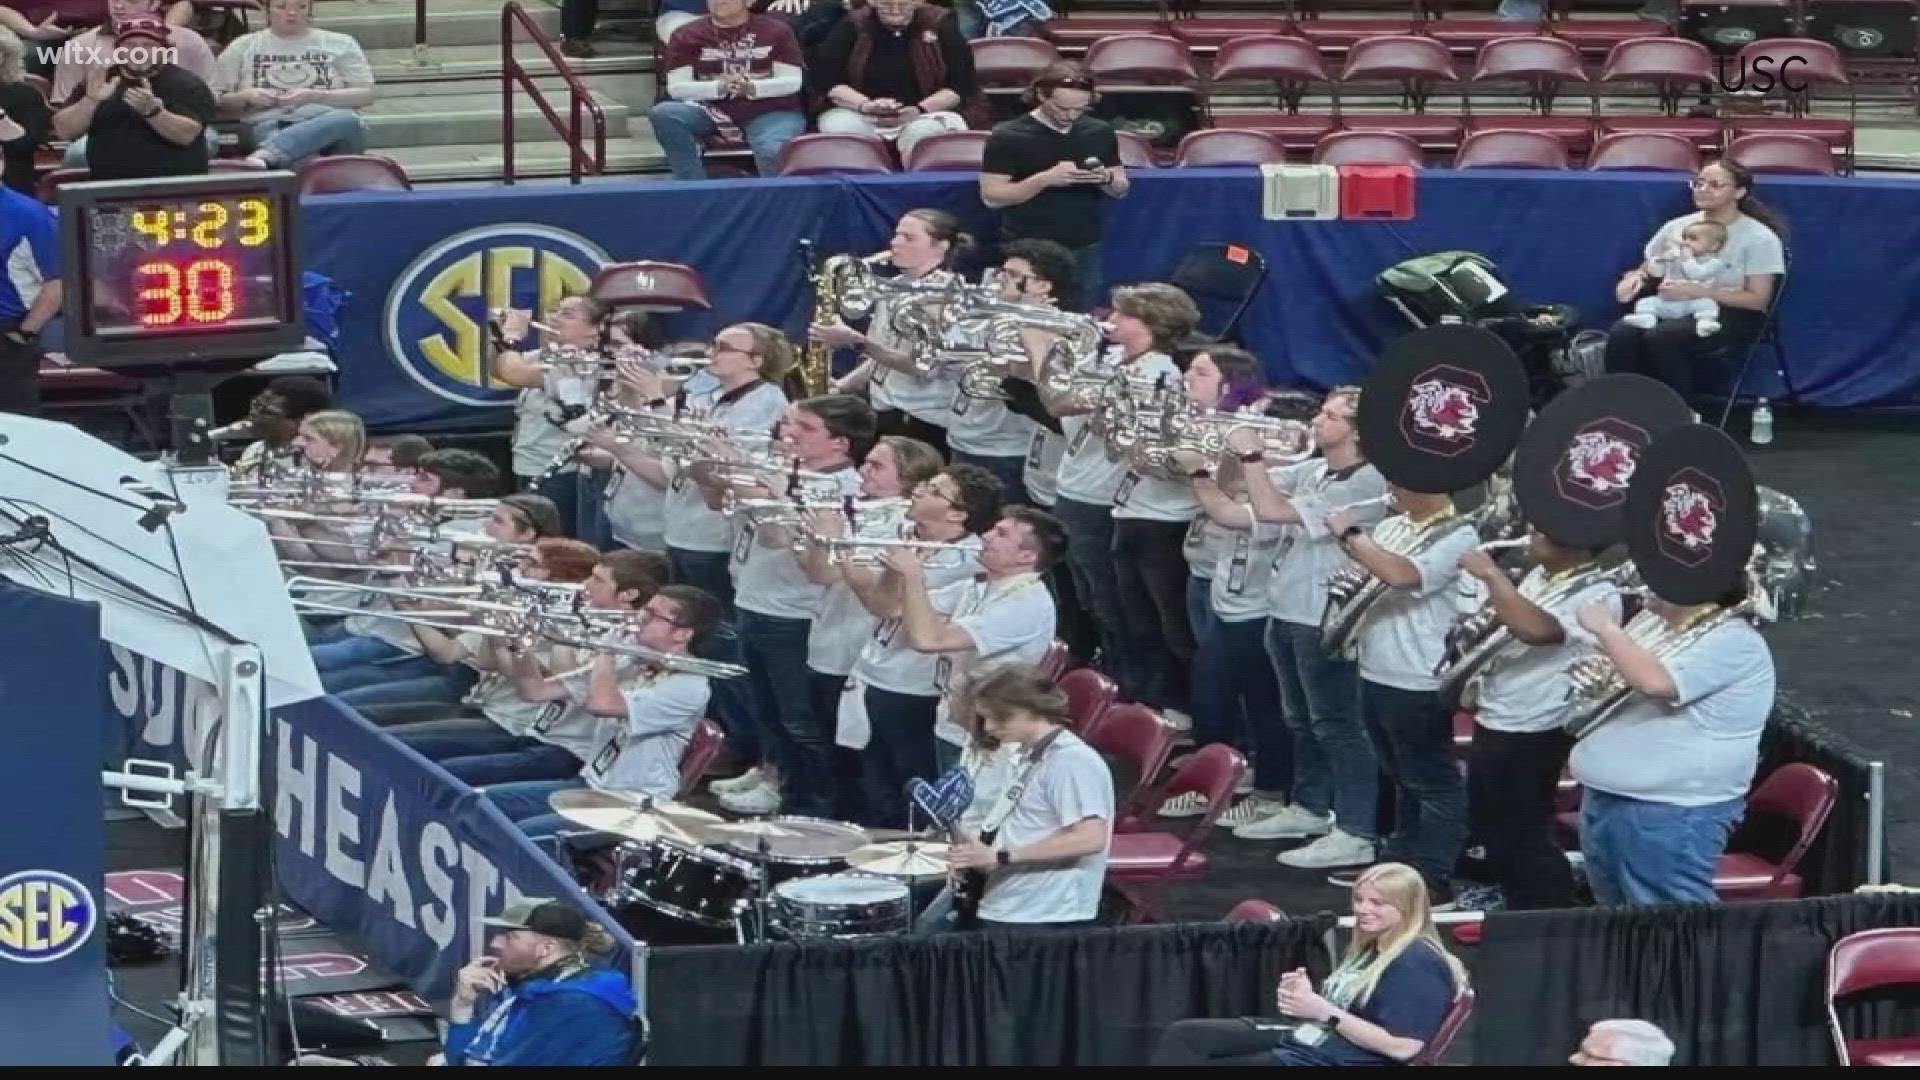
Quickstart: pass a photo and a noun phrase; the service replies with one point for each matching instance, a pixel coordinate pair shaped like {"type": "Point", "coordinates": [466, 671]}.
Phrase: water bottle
{"type": "Point", "coordinates": [1762, 423]}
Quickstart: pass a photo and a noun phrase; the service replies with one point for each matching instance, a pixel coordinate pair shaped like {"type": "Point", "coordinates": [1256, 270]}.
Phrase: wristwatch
{"type": "Point", "coordinates": [1253, 457]}
{"type": "Point", "coordinates": [1350, 532]}
{"type": "Point", "coordinates": [1003, 857]}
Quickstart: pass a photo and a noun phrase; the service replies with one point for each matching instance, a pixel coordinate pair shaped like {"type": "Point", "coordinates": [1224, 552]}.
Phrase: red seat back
{"type": "Point", "coordinates": [1813, 61]}
{"type": "Point", "coordinates": [1507, 149]}
{"type": "Point", "coordinates": [1152, 59]}
{"type": "Point", "coordinates": [1228, 146]}
{"type": "Point", "coordinates": [1053, 663]}
{"type": "Point", "coordinates": [1010, 61]}
{"type": "Point", "coordinates": [1136, 150]}
{"type": "Point", "coordinates": [1399, 56]}
{"type": "Point", "coordinates": [1644, 150]}
{"type": "Point", "coordinates": [352, 172]}
{"type": "Point", "coordinates": [1213, 772]}
{"type": "Point", "coordinates": [1661, 60]}
{"type": "Point", "coordinates": [1137, 736]}
{"type": "Point", "coordinates": [835, 152]}
{"type": "Point", "coordinates": [1255, 911]}
{"type": "Point", "coordinates": [1782, 152]}
{"type": "Point", "coordinates": [1450, 1026]}
{"type": "Point", "coordinates": [1268, 58]}
{"type": "Point", "coordinates": [651, 286]}
{"type": "Point", "coordinates": [1089, 694]}
{"type": "Point", "coordinates": [1533, 57]}
{"type": "Point", "coordinates": [948, 151]}
{"type": "Point", "coordinates": [1869, 960]}
{"type": "Point", "coordinates": [702, 748]}
{"type": "Point", "coordinates": [1368, 148]}
{"type": "Point", "coordinates": [1800, 793]}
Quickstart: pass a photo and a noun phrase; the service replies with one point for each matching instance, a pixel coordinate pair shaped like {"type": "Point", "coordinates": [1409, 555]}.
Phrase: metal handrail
{"type": "Point", "coordinates": [578, 97]}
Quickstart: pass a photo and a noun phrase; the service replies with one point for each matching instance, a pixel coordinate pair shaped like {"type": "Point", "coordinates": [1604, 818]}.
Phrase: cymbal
{"type": "Point", "coordinates": [633, 817]}
{"type": "Point", "coordinates": [758, 827]}
{"type": "Point", "coordinates": [902, 859]}
{"type": "Point", "coordinates": [882, 836]}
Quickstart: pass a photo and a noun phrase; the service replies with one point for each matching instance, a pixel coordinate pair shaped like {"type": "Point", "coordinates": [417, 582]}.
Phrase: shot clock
{"type": "Point", "coordinates": [181, 270]}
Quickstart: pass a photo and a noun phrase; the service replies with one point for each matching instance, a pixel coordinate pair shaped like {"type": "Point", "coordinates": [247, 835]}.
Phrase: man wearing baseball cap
{"type": "Point", "coordinates": [537, 999]}
{"type": "Point", "coordinates": [141, 117]}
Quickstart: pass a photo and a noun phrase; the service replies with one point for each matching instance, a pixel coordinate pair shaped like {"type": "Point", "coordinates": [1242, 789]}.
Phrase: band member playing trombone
{"type": "Point", "coordinates": [1335, 771]}
{"type": "Point", "coordinates": [649, 713]}
{"type": "Point", "coordinates": [273, 419]}
{"type": "Point", "coordinates": [906, 400]}
{"type": "Point", "coordinates": [985, 431]}
{"type": "Point", "coordinates": [888, 706]}
{"type": "Point", "coordinates": [776, 602]}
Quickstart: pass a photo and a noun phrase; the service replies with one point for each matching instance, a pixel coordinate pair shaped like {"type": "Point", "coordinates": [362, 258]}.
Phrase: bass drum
{"type": "Point", "coordinates": [701, 885]}
{"type": "Point", "coordinates": [798, 847]}
{"type": "Point", "coordinates": [839, 906]}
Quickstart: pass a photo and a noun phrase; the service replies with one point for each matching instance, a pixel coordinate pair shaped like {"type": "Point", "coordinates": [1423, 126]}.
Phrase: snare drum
{"type": "Point", "coordinates": [801, 847]}
{"type": "Point", "coordinates": [839, 906]}
{"type": "Point", "coordinates": [700, 884]}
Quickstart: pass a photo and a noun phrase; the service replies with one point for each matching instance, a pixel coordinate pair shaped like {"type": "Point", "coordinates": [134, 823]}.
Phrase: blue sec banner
{"type": "Point", "coordinates": [53, 965]}
{"type": "Point", "coordinates": [424, 267]}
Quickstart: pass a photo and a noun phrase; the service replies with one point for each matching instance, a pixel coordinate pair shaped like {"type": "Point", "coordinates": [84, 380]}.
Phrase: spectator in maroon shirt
{"type": "Point", "coordinates": [731, 69]}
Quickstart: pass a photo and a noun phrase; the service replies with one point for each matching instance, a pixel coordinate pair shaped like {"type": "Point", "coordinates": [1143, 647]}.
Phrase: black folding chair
{"type": "Point", "coordinates": [1769, 335]}
{"type": "Point", "coordinates": [1221, 277]}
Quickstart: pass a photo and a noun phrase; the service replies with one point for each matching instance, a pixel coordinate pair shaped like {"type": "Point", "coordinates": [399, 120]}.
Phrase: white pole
{"type": "Point", "coordinates": [1876, 822]}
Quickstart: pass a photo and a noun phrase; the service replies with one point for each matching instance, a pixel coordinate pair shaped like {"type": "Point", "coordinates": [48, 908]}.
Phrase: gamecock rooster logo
{"type": "Point", "coordinates": [1601, 462]}
{"type": "Point", "coordinates": [1687, 518]}
{"type": "Point", "coordinates": [1443, 410]}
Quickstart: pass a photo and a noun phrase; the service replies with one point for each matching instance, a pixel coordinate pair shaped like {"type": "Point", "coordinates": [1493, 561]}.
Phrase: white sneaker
{"type": "Point", "coordinates": [1640, 319]}
{"type": "Point", "coordinates": [1248, 811]}
{"type": "Point", "coordinates": [1186, 804]}
{"type": "Point", "coordinates": [1706, 327]}
{"type": "Point", "coordinates": [746, 781]}
{"type": "Point", "coordinates": [1180, 721]}
{"type": "Point", "coordinates": [1286, 823]}
{"type": "Point", "coordinates": [763, 799]}
{"type": "Point", "coordinates": [1334, 849]}
{"type": "Point", "coordinates": [1245, 786]}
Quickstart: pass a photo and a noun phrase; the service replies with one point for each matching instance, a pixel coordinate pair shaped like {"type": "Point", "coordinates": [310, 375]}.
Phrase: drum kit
{"type": "Point", "coordinates": [680, 874]}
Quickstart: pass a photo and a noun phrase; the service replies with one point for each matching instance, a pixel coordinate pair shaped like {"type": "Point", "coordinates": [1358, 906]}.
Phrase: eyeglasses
{"type": "Point", "coordinates": [1699, 183]}
{"type": "Point", "coordinates": [929, 488]}
{"type": "Point", "coordinates": [648, 615]}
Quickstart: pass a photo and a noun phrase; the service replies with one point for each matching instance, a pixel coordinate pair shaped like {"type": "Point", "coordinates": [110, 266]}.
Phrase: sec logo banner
{"type": "Point", "coordinates": [44, 915]}
{"type": "Point", "coordinates": [436, 314]}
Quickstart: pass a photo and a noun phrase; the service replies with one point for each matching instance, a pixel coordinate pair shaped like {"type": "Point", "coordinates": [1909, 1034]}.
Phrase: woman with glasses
{"type": "Point", "coordinates": [1753, 262]}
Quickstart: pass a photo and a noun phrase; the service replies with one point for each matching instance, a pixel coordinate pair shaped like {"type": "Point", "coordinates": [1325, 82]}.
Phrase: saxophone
{"type": "Point", "coordinates": [829, 296]}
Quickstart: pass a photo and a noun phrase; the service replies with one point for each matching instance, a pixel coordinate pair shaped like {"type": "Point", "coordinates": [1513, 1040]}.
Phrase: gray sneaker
{"type": "Point", "coordinates": [1334, 849]}
{"type": "Point", "coordinates": [1290, 823]}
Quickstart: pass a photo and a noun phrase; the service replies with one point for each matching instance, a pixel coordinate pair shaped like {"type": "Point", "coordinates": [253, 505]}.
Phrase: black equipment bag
{"type": "Point", "coordinates": [1464, 285]}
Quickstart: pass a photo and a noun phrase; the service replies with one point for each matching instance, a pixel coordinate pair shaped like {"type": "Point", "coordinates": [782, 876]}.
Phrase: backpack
{"type": "Point", "coordinates": [1461, 284]}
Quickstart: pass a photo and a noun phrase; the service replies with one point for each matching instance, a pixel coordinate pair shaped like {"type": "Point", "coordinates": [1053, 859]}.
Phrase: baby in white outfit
{"type": "Point", "coordinates": [1695, 258]}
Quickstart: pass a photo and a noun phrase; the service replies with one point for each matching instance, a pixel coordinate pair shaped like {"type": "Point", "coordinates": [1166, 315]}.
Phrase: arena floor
{"type": "Point", "coordinates": [1849, 662]}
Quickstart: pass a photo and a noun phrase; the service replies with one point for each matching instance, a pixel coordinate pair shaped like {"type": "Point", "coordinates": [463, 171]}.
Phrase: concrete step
{"type": "Point", "coordinates": [454, 70]}
{"type": "Point", "coordinates": [389, 24]}
{"type": "Point", "coordinates": [482, 161]}
{"type": "Point", "coordinates": [446, 119]}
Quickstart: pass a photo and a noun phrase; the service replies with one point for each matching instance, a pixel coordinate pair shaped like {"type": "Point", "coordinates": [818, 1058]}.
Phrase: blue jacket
{"type": "Point", "coordinates": [582, 1019]}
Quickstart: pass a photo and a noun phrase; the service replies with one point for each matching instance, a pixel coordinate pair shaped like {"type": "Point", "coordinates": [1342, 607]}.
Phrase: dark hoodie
{"type": "Point", "coordinates": [581, 1018]}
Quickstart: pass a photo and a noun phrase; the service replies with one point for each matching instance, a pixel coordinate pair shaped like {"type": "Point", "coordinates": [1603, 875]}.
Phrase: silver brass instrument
{"type": "Point", "coordinates": [1077, 341]}
{"type": "Point", "coordinates": [1187, 432]}
{"type": "Point", "coordinates": [1598, 693]}
{"type": "Point", "coordinates": [872, 549]}
{"type": "Point", "coordinates": [1353, 592]}
{"type": "Point", "coordinates": [1480, 643]}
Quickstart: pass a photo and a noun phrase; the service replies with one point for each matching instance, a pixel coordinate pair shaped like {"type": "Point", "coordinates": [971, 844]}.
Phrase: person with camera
{"type": "Point", "coordinates": [1050, 172]}
{"type": "Point", "coordinates": [142, 117]}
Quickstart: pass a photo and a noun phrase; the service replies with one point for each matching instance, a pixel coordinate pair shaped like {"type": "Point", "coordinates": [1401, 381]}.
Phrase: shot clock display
{"type": "Point", "coordinates": [181, 269]}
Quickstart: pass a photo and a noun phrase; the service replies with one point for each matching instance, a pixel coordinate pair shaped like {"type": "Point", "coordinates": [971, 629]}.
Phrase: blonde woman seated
{"type": "Point", "coordinates": [1379, 1007]}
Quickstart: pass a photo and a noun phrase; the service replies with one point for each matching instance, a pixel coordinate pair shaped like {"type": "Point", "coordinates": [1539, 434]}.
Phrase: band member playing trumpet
{"type": "Point", "coordinates": [895, 687]}
{"type": "Point", "coordinates": [1335, 771]}
{"type": "Point", "coordinates": [540, 412]}
{"type": "Point", "coordinates": [651, 712]}
{"type": "Point", "coordinates": [1519, 744]}
{"type": "Point", "coordinates": [924, 246]}
{"type": "Point", "coordinates": [1053, 824]}
{"type": "Point", "coordinates": [776, 603]}
{"type": "Point", "coordinates": [841, 626]}
{"type": "Point", "coordinates": [984, 431]}
{"type": "Point", "coordinates": [1148, 321]}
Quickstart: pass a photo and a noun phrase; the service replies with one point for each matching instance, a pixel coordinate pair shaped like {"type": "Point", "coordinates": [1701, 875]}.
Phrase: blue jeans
{"type": "Point", "coordinates": [445, 687]}
{"type": "Point", "coordinates": [541, 761]}
{"type": "Point", "coordinates": [799, 743]}
{"type": "Point", "coordinates": [1217, 715]}
{"type": "Point", "coordinates": [351, 650]}
{"type": "Point", "coordinates": [461, 737]}
{"type": "Point", "coordinates": [400, 669]}
{"type": "Point", "coordinates": [289, 140]}
{"type": "Point", "coordinates": [323, 629]}
{"type": "Point", "coordinates": [1011, 471]}
{"type": "Point", "coordinates": [1090, 560]}
{"type": "Point", "coordinates": [528, 798]}
{"type": "Point", "coordinates": [1641, 852]}
{"type": "Point", "coordinates": [901, 748]}
{"type": "Point", "coordinates": [590, 514]}
{"type": "Point", "coordinates": [682, 126]}
{"type": "Point", "coordinates": [1413, 734]}
{"type": "Point", "coordinates": [1334, 765]}
{"type": "Point", "coordinates": [1233, 681]}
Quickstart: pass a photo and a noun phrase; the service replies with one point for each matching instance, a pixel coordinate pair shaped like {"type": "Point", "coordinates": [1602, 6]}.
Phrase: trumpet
{"type": "Point", "coordinates": [871, 549]}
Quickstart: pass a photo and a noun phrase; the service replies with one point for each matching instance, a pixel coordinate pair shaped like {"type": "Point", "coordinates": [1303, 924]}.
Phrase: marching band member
{"type": "Point", "coordinates": [894, 467]}
{"type": "Point", "coordinates": [273, 417]}
{"type": "Point", "coordinates": [635, 507]}
{"type": "Point", "coordinates": [619, 580]}
{"type": "Point", "coordinates": [1335, 771]}
{"type": "Point", "coordinates": [986, 432]}
{"type": "Point", "coordinates": [896, 686]}
{"type": "Point", "coordinates": [924, 246]}
{"type": "Point", "coordinates": [540, 411]}
{"type": "Point", "coordinates": [1053, 824]}
{"type": "Point", "coordinates": [1148, 321]}
{"type": "Point", "coordinates": [1666, 769]}
{"type": "Point", "coordinates": [775, 604]}
{"type": "Point", "coordinates": [747, 362]}
{"type": "Point", "coordinates": [652, 711]}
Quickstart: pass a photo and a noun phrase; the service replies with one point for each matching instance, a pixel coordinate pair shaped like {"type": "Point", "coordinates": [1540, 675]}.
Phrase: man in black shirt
{"type": "Point", "coordinates": [1048, 172]}
{"type": "Point", "coordinates": [142, 118]}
